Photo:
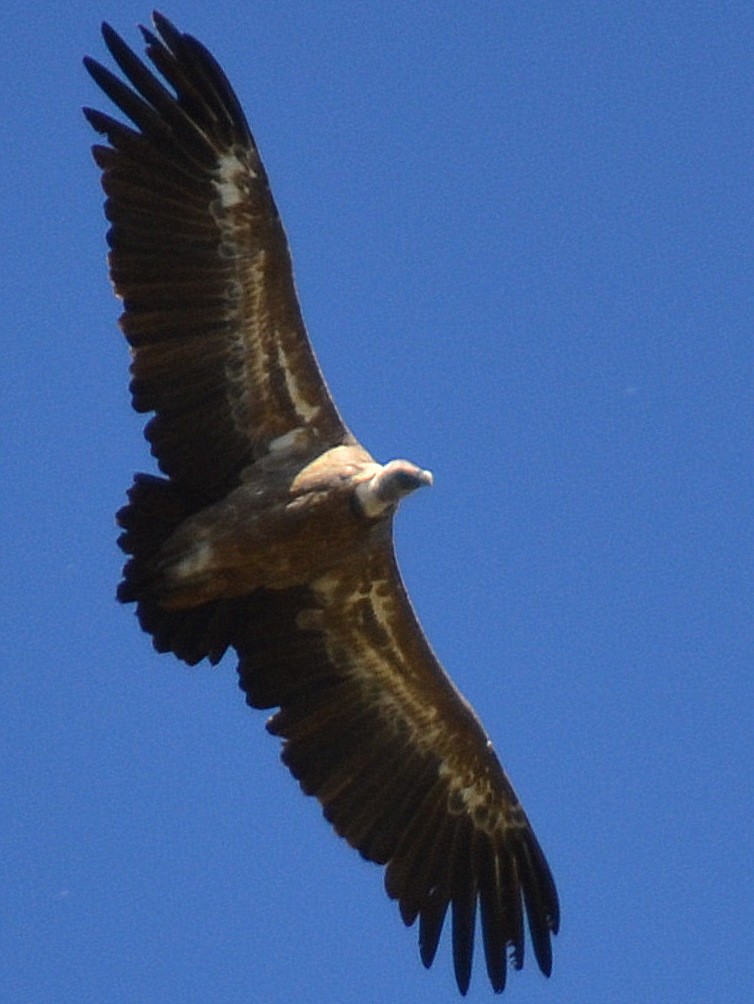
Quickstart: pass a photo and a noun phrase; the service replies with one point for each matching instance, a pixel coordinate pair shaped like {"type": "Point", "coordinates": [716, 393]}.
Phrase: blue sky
{"type": "Point", "coordinates": [523, 242]}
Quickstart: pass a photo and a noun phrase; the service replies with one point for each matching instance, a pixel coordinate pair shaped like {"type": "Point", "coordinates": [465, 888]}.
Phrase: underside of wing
{"type": "Point", "coordinates": [201, 261]}
{"type": "Point", "coordinates": [405, 772]}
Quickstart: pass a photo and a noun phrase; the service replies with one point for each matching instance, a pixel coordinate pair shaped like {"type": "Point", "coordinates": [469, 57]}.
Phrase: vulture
{"type": "Point", "coordinates": [270, 528]}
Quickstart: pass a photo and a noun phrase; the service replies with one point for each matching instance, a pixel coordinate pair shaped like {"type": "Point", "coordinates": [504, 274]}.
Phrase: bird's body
{"type": "Point", "coordinates": [270, 531]}
{"type": "Point", "coordinates": [290, 520]}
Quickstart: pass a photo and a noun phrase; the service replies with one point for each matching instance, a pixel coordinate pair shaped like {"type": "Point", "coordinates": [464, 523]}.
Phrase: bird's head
{"type": "Point", "coordinates": [391, 483]}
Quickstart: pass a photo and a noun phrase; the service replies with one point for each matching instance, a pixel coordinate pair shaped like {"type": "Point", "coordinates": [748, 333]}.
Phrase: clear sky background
{"type": "Point", "coordinates": [523, 241]}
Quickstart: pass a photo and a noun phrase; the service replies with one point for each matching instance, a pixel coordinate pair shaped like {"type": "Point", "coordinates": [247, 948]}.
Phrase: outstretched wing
{"type": "Point", "coordinates": [200, 258]}
{"type": "Point", "coordinates": [404, 770]}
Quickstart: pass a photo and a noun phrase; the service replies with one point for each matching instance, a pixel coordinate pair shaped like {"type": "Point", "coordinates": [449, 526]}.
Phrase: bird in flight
{"type": "Point", "coordinates": [270, 530]}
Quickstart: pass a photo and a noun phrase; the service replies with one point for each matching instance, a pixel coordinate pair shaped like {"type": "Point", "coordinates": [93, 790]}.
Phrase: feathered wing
{"type": "Point", "coordinates": [201, 261]}
{"type": "Point", "coordinates": [405, 772]}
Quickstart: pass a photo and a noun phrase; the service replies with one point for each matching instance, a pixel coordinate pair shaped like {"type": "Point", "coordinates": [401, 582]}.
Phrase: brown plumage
{"type": "Point", "coordinates": [271, 532]}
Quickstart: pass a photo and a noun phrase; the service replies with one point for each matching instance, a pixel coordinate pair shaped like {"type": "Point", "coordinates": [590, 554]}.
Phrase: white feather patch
{"type": "Point", "coordinates": [307, 412]}
{"type": "Point", "coordinates": [228, 188]}
{"type": "Point", "coordinates": [288, 441]}
{"type": "Point", "coordinates": [196, 562]}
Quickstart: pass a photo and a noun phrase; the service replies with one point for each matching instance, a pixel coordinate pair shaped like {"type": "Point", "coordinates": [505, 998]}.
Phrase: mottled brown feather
{"type": "Point", "coordinates": [193, 268]}
{"type": "Point", "coordinates": [389, 756]}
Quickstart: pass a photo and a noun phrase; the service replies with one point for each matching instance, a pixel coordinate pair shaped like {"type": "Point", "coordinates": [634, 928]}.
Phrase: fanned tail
{"type": "Point", "coordinates": [156, 507]}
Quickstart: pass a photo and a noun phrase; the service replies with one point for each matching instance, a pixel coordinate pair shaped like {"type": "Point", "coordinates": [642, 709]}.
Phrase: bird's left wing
{"type": "Point", "coordinates": [404, 770]}
{"type": "Point", "coordinates": [200, 259]}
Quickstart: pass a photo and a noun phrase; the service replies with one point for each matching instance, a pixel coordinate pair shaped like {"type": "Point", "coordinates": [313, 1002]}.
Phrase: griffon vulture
{"type": "Point", "coordinates": [271, 530]}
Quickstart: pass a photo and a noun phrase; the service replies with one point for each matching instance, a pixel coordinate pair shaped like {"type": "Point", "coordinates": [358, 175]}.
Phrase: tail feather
{"type": "Point", "coordinates": [155, 509]}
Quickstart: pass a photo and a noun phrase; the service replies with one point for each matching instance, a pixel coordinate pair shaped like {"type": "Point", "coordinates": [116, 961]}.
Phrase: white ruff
{"type": "Point", "coordinates": [370, 504]}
